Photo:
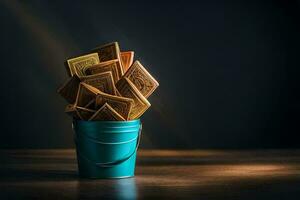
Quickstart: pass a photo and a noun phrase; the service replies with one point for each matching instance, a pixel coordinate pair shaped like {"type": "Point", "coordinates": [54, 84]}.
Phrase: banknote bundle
{"type": "Point", "coordinates": [107, 84]}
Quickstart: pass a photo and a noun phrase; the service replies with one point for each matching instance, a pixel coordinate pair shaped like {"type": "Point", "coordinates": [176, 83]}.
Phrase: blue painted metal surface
{"type": "Point", "coordinates": [106, 149]}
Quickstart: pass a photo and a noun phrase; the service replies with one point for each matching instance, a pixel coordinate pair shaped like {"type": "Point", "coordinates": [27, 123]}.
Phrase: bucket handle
{"type": "Point", "coordinates": [113, 163]}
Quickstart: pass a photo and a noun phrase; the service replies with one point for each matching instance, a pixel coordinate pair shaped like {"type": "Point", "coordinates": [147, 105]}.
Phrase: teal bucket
{"type": "Point", "coordinates": [106, 149]}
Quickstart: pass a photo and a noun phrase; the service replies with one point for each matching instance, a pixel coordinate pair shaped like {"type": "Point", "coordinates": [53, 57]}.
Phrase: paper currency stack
{"type": "Point", "coordinates": [107, 85]}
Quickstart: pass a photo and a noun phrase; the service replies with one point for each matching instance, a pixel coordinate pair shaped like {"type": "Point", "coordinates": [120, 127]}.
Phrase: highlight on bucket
{"type": "Point", "coordinates": [107, 93]}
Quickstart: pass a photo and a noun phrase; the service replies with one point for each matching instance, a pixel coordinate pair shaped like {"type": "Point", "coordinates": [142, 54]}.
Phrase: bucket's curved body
{"type": "Point", "coordinates": [106, 149]}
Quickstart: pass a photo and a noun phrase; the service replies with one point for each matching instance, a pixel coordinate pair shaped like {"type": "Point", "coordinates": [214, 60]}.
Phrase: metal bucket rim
{"type": "Point", "coordinates": [108, 122]}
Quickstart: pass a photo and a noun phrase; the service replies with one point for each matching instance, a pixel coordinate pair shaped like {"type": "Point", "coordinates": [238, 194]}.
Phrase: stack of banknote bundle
{"type": "Point", "coordinates": [107, 84]}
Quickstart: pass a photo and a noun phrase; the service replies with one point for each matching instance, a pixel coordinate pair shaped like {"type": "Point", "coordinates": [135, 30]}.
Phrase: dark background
{"type": "Point", "coordinates": [228, 72]}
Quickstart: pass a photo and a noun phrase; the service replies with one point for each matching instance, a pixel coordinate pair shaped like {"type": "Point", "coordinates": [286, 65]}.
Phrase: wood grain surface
{"type": "Point", "coordinates": [160, 174]}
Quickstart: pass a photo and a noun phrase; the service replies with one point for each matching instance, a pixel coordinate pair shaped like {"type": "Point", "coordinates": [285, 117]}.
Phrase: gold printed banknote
{"type": "Point", "coordinates": [106, 112]}
{"type": "Point", "coordinates": [122, 105]}
{"type": "Point", "coordinates": [107, 84]}
{"type": "Point", "coordinates": [86, 95]}
{"type": "Point", "coordinates": [108, 52]}
{"type": "Point", "coordinates": [113, 66]}
{"type": "Point", "coordinates": [140, 103]}
{"type": "Point", "coordinates": [102, 81]}
{"type": "Point", "coordinates": [79, 64]}
{"type": "Point", "coordinates": [69, 89]}
{"type": "Point", "coordinates": [127, 59]}
{"type": "Point", "coordinates": [141, 78]}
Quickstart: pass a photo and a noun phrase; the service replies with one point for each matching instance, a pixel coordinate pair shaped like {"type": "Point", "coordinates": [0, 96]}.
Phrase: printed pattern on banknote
{"type": "Point", "coordinates": [85, 95]}
{"type": "Point", "coordinates": [108, 51]}
{"type": "Point", "coordinates": [113, 66]}
{"type": "Point", "coordinates": [122, 105]}
{"type": "Point", "coordinates": [107, 113]}
{"type": "Point", "coordinates": [141, 78]}
{"type": "Point", "coordinates": [69, 89]}
{"type": "Point", "coordinates": [79, 64]}
{"type": "Point", "coordinates": [140, 103]}
{"type": "Point", "coordinates": [102, 81]}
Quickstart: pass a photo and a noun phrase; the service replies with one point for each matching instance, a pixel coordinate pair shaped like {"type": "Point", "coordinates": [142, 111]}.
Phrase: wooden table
{"type": "Point", "coordinates": [160, 174]}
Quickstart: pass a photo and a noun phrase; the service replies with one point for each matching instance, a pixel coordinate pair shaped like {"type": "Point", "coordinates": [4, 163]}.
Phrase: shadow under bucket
{"type": "Point", "coordinates": [106, 149]}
